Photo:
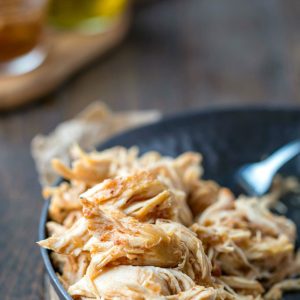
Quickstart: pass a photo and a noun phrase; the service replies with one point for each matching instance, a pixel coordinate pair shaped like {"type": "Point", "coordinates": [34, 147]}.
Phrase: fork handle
{"type": "Point", "coordinates": [283, 155]}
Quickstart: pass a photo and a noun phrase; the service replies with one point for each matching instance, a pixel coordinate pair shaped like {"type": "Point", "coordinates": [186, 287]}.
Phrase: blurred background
{"type": "Point", "coordinates": [174, 55]}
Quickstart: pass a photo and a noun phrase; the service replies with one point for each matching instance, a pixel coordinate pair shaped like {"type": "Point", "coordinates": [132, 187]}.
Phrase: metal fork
{"type": "Point", "coordinates": [256, 178]}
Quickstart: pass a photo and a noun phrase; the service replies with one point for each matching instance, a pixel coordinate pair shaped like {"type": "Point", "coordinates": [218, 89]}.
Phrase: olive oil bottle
{"type": "Point", "coordinates": [89, 16]}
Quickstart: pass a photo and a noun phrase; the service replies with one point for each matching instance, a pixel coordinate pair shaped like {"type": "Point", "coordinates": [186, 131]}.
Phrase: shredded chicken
{"type": "Point", "coordinates": [118, 239]}
{"type": "Point", "coordinates": [182, 175]}
{"type": "Point", "coordinates": [71, 269]}
{"type": "Point", "coordinates": [143, 196]}
{"type": "Point", "coordinates": [276, 292]}
{"type": "Point", "coordinates": [245, 239]}
{"type": "Point", "coordinates": [196, 264]}
{"type": "Point", "coordinates": [133, 282]}
{"type": "Point", "coordinates": [70, 241]}
{"type": "Point", "coordinates": [125, 226]}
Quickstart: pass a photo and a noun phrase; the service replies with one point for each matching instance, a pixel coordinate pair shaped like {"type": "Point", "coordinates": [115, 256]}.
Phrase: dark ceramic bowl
{"type": "Point", "coordinates": [226, 138]}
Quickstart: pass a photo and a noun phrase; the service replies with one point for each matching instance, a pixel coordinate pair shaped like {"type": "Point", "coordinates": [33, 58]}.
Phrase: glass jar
{"type": "Point", "coordinates": [21, 27]}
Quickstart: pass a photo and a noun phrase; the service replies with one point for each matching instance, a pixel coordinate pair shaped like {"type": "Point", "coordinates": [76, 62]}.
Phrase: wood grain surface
{"type": "Point", "coordinates": [179, 55]}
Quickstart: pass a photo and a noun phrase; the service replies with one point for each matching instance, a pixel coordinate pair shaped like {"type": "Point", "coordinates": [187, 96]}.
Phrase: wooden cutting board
{"type": "Point", "coordinates": [67, 53]}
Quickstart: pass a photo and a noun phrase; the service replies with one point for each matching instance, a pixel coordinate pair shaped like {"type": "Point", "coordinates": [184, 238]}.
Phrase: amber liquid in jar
{"type": "Point", "coordinates": [20, 28]}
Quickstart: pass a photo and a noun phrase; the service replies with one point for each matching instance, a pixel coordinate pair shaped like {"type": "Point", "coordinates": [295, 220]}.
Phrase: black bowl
{"type": "Point", "coordinates": [227, 138]}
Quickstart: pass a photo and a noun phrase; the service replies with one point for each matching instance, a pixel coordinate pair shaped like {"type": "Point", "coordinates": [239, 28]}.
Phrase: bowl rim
{"type": "Point", "coordinates": [42, 234]}
{"type": "Point", "coordinates": [181, 116]}
{"type": "Point", "coordinates": [166, 120]}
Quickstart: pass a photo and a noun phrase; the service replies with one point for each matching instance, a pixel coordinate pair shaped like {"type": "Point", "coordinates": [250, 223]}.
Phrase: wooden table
{"type": "Point", "coordinates": [179, 55]}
